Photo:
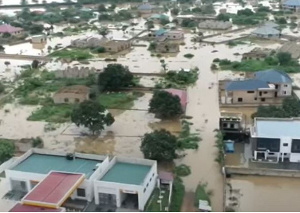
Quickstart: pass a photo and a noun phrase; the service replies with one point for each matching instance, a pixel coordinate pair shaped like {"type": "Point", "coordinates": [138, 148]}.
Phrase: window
{"type": "Point", "coordinates": [80, 192]}
{"type": "Point", "coordinates": [285, 144]}
{"type": "Point", "coordinates": [263, 99]}
{"type": "Point", "coordinates": [174, 36]}
{"type": "Point", "coordinates": [276, 86]}
{"type": "Point", "coordinates": [250, 91]}
{"type": "Point", "coordinates": [224, 125]}
{"type": "Point", "coordinates": [144, 190]}
{"type": "Point", "coordinates": [150, 179]}
{"type": "Point", "coordinates": [240, 99]}
{"type": "Point", "coordinates": [231, 126]}
{"type": "Point", "coordinates": [66, 100]}
{"type": "Point", "coordinates": [77, 100]}
{"type": "Point", "coordinates": [265, 92]}
{"type": "Point", "coordinates": [285, 85]}
{"type": "Point", "coordinates": [295, 146]}
{"type": "Point", "coordinates": [255, 99]}
{"type": "Point", "coordinates": [284, 92]}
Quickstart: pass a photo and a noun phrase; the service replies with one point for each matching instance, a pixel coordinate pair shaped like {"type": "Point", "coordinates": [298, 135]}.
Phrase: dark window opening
{"type": "Point", "coordinates": [81, 192]}
{"type": "Point", "coordinates": [285, 144]}
{"type": "Point", "coordinates": [250, 91]}
{"type": "Point", "coordinates": [240, 99]}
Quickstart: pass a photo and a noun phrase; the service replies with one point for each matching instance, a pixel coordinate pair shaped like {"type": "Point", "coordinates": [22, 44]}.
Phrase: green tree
{"type": "Point", "coordinates": [220, 144]}
{"type": "Point", "coordinates": [36, 29]}
{"type": "Point", "coordinates": [175, 11]}
{"type": "Point", "coordinates": [281, 21]}
{"type": "Point", "coordinates": [223, 17]}
{"type": "Point", "coordinates": [245, 12]}
{"type": "Point", "coordinates": [159, 145]}
{"type": "Point", "coordinates": [35, 64]}
{"type": "Point", "coordinates": [103, 31]}
{"type": "Point", "coordinates": [7, 150]}
{"type": "Point", "coordinates": [284, 58]}
{"type": "Point", "coordinates": [114, 77]}
{"type": "Point", "coordinates": [101, 8]}
{"type": "Point", "coordinates": [165, 105]}
{"type": "Point", "coordinates": [92, 115]}
{"type": "Point", "coordinates": [290, 108]}
{"type": "Point", "coordinates": [2, 88]}
{"type": "Point", "coordinates": [149, 25]}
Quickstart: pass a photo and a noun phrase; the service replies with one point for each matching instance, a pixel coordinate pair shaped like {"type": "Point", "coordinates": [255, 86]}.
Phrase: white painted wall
{"type": "Point", "coordinates": [295, 157]}
{"type": "Point", "coordinates": [284, 88]}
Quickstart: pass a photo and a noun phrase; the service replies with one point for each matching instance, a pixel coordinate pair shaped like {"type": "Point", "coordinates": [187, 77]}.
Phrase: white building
{"type": "Point", "coordinates": [124, 178]}
{"type": "Point", "coordinates": [46, 179]}
{"type": "Point", "coordinates": [276, 139]}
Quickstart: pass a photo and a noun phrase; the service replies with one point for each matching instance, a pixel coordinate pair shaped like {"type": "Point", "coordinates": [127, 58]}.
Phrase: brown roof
{"type": "Point", "coordinates": [77, 89]}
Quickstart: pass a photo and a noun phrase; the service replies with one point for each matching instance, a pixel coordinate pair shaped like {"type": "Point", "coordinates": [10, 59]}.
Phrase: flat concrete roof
{"type": "Point", "coordinates": [127, 173]}
{"type": "Point", "coordinates": [43, 164]}
{"type": "Point", "coordinates": [54, 190]}
{"type": "Point", "coordinates": [278, 128]}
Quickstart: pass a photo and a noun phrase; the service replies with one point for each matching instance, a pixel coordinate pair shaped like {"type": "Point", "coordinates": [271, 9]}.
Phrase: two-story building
{"type": "Point", "coordinates": [267, 87]}
{"type": "Point", "coordinates": [276, 139]}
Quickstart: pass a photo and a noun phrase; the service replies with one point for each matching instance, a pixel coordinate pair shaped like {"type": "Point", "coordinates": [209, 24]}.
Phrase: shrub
{"type": "Point", "coordinates": [37, 142]}
{"type": "Point", "coordinates": [182, 170]}
{"type": "Point", "coordinates": [189, 55]}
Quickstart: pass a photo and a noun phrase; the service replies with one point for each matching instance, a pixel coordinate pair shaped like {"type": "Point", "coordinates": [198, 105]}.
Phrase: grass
{"type": "Point", "coordinates": [52, 113]}
{"type": "Point", "coordinates": [120, 100]}
{"type": "Point", "coordinates": [72, 54]}
{"type": "Point", "coordinates": [202, 194]}
{"type": "Point", "coordinates": [153, 206]}
{"type": "Point", "coordinates": [177, 196]}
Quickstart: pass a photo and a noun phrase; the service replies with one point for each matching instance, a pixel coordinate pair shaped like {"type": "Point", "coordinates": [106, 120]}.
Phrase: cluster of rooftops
{"type": "Point", "coordinates": [262, 79]}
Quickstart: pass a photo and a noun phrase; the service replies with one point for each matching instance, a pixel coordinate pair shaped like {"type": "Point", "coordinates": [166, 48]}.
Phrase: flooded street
{"type": "Point", "coordinates": [266, 194]}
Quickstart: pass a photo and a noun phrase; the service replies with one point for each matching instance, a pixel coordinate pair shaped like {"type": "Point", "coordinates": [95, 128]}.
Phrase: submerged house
{"type": "Point", "coordinates": [276, 139]}
{"type": "Point", "coordinates": [267, 87]}
{"type": "Point", "coordinates": [268, 30]}
{"type": "Point", "coordinates": [257, 54]}
{"type": "Point", "coordinates": [167, 47]}
{"type": "Point", "coordinates": [215, 25]}
{"type": "Point", "coordinates": [6, 28]}
{"type": "Point", "coordinates": [71, 94]}
{"type": "Point", "coordinates": [293, 5]}
{"type": "Point", "coordinates": [145, 8]}
{"type": "Point", "coordinates": [163, 34]}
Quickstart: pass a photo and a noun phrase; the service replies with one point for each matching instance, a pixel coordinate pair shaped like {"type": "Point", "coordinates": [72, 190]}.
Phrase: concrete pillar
{"type": "Point", "coordinates": [255, 155]}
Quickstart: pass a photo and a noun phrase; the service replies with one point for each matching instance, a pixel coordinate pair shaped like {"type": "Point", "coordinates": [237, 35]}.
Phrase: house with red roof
{"type": "Point", "coordinates": [6, 28]}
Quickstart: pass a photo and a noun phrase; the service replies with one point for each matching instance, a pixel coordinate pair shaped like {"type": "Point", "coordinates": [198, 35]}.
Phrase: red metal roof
{"type": "Point", "coordinates": [6, 28]}
{"type": "Point", "coordinates": [24, 208]}
{"type": "Point", "coordinates": [53, 190]}
{"type": "Point", "coordinates": [182, 94]}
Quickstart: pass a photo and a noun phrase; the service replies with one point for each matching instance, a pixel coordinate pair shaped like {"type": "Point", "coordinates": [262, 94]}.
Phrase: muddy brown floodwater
{"type": "Point", "coordinates": [266, 194]}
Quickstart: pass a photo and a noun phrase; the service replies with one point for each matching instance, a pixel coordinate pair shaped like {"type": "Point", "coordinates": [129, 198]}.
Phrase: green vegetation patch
{"type": "Point", "coordinates": [202, 194]}
{"type": "Point", "coordinates": [72, 54]}
{"type": "Point", "coordinates": [177, 196]}
{"type": "Point", "coordinates": [179, 80]}
{"type": "Point", "coordinates": [182, 170]}
{"type": "Point", "coordinates": [153, 205]}
{"type": "Point", "coordinates": [59, 113]}
{"type": "Point", "coordinates": [119, 100]}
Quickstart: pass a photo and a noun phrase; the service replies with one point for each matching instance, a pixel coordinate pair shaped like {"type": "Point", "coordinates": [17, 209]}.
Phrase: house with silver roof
{"type": "Point", "coordinates": [293, 5]}
{"type": "Point", "coordinates": [276, 139]}
{"type": "Point", "coordinates": [267, 87]}
{"type": "Point", "coordinates": [267, 31]}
